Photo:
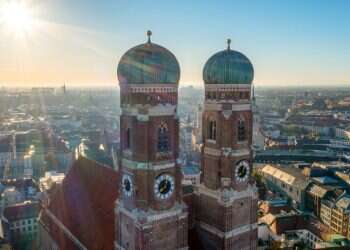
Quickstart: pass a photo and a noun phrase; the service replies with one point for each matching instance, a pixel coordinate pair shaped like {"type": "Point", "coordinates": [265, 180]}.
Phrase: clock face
{"type": "Point", "coordinates": [127, 185]}
{"type": "Point", "coordinates": [242, 171]}
{"type": "Point", "coordinates": [164, 186]}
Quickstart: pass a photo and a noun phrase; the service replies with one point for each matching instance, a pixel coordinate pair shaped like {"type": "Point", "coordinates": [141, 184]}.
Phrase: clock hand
{"type": "Point", "coordinates": [163, 187]}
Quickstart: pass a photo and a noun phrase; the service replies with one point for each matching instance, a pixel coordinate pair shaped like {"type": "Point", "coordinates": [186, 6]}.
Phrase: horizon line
{"type": "Point", "coordinates": [194, 85]}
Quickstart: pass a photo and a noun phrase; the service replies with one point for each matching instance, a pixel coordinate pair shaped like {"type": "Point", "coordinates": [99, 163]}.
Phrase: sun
{"type": "Point", "coordinates": [16, 17]}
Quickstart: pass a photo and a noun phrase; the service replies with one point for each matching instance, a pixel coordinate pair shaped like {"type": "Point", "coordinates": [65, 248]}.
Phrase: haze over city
{"type": "Point", "coordinates": [292, 43]}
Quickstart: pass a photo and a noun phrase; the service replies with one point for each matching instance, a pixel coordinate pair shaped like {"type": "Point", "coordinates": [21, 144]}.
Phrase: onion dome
{"type": "Point", "coordinates": [148, 63]}
{"type": "Point", "coordinates": [228, 67]}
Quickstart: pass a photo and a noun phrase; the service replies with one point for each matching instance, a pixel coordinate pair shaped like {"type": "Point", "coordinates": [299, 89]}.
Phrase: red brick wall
{"type": "Point", "coordinates": [214, 168]}
{"type": "Point", "coordinates": [170, 233]}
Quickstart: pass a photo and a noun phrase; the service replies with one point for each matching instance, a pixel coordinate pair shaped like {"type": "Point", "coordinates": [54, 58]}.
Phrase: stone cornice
{"type": "Point", "coordinates": [227, 87]}
{"type": "Point", "coordinates": [144, 219]}
{"type": "Point", "coordinates": [226, 152]}
{"type": "Point", "coordinates": [148, 165]}
{"type": "Point", "coordinates": [229, 234]}
{"type": "Point", "coordinates": [119, 247]}
{"type": "Point", "coordinates": [211, 105]}
{"type": "Point", "coordinates": [158, 110]}
{"type": "Point", "coordinates": [150, 88]}
{"type": "Point", "coordinates": [226, 197]}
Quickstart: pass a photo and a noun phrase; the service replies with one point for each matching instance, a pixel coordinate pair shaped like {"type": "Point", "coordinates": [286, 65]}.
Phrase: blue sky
{"type": "Point", "coordinates": [289, 42]}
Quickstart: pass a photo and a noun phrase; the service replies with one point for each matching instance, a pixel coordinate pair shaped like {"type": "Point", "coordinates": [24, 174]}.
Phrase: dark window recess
{"type": "Point", "coordinates": [241, 131]}
{"type": "Point", "coordinates": [128, 138]}
{"type": "Point", "coordinates": [163, 138]}
{"type": "Point", "coordinates": [212, 130]}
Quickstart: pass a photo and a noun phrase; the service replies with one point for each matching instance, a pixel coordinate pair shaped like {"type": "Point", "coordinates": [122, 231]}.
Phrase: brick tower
{"type": "Point", "coordinates": [226, 210]}
{"type": "Point", "coordinates": [150, 213]}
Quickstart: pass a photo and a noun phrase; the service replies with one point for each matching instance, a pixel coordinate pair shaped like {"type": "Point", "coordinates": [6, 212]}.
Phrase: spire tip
{"type": "Point", "coordinates": [149, 34]}
{"type": "Point", "coordinates": [228, 44]}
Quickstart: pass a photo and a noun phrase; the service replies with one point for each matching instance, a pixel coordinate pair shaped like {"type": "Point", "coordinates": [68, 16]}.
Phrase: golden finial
{"type": "Point", "coordinates": [228, 44]}
{"type": "Point", "coordinates": [149, 34]}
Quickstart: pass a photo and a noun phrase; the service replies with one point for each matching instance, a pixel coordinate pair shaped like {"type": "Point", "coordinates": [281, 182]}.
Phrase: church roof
{"type": "Point", "coordinates": [84, 204]}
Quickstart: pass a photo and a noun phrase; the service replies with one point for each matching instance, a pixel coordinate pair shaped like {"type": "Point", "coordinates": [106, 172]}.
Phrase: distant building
{"type": "Point", "coordinates": [335, 213]}
{"type": "Point", "coordinates": [43, 91]}
{"type": "Point", "coordinates": [21, 221]}
{"type": "Point", "coordinates": [288, 181]}
{"type": "Point", "coordinates": [28, 188]}
{"type": "Point", "coordinates": [64, 121]}
{"type": "Point", "coordinates": [191, 174]}
{"type": "Point", "coordinates": [5, 151]}
{"type": "Point", "coordinates": [186, 131]}
{"type": "Point", "coordinates": [275, 206]}
{"type": "Point", "coordinates": [197, 136]}
{"type": "Point", "coordinates": [95, 151]}
{"type": "Point", "coordinates": [26, 154]}
{"type": "Point", "coordinates": [342, 133]}
{"type": "Point", "coordinates": [317, 123]}
{"type": "Point", "coordinates": [10, 196]}
{"type": "Point", "coordinates": [258, 137]}
{"type": "Point", "coordinates": [51, 178]}
{"type": "Point", "coordinates": [320, 189]}
{"type": "Point", "coordinates": [288, 231]}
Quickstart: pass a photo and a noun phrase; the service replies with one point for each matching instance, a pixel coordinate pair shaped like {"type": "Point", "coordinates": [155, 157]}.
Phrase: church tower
{"type": "Point", "coordinates": [150, 213]}
{"type": "Point", "coordinates": [226, 210]}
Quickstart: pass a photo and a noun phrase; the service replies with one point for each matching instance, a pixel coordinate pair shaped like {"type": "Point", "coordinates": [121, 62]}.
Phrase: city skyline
{"type": "Point", "coordinates": [80, 42]}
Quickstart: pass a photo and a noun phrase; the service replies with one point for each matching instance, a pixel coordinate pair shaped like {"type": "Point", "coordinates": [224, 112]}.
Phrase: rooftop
{"type": "Point", "coordinates": [84, 204]}
{"type": "Point", "coordinates": [190, 170]}
{"type": "Point", "coordinates": [344, 203]}
{"type": "Point", "coordinates": [325, 180]}
{"type": "Point", "coordinates": [287, 174]}
{"type": "Point", "coordinates": [21, 211]}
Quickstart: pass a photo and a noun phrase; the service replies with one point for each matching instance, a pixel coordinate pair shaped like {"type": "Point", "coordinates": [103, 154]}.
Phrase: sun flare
{"type": "Point", "coordinates": [16, 17]}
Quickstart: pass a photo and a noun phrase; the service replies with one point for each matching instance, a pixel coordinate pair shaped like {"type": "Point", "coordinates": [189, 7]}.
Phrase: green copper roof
{"type": "Point", "coordinates": [228, 67]}
{"type": "Point", "coordinates": [148, 63]}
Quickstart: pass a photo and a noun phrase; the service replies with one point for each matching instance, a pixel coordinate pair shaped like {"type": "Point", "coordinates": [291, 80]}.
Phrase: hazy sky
{"type": "Point", "coordinates": [80, 41]}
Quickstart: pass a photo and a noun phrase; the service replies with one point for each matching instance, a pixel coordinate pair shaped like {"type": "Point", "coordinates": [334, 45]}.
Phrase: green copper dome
{"type": "Point", "coordinates": [148, 63]}
{"type": "Point", "coordinates": [228, 67]}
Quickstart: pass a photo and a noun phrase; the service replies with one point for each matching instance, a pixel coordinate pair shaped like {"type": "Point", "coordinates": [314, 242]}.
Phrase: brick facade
{"type": "Point", "coordinates": [225, 205]}
{"type": "Point", "coordinates": [146, 221]}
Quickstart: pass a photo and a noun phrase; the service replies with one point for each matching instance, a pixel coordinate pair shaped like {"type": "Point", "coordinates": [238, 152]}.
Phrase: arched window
{"type": "Point", "coordinates": [163, 138]}
{"type": "Point", "coordinates": [212, 130]}
{"type": "Point", "coordinates": [241, 130]}
{"type": "Point", "coordinates": [128, 138]}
